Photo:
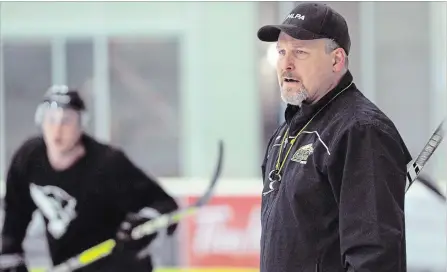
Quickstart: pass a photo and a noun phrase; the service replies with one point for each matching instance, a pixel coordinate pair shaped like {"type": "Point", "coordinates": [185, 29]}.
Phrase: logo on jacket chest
{"type": "Point", "coordinates": [303, 153]}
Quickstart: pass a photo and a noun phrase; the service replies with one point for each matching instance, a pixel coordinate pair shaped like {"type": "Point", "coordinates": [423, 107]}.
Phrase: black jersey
{"type": "Point", "coordinates": [83, 205]}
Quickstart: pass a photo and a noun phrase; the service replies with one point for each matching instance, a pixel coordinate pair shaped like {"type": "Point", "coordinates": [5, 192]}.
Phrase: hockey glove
{"type": "Point", "coordinates": [125, 243]}
{"type": "Point", "coordinates": [12, 263]}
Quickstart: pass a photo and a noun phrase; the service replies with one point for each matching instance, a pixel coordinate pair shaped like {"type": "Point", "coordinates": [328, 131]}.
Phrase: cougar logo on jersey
{"type": "Point", "coordinates": [56, 205]}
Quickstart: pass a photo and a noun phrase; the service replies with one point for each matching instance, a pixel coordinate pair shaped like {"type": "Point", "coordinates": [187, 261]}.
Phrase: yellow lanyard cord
{"type": "Point", "coordinates": [279, 164]}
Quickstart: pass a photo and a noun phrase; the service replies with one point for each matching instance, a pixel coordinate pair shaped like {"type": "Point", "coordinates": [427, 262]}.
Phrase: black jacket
{"type": "Point", "coordinates": [340, 203]}
{"type": "Point", "coordinates": [82, 205]}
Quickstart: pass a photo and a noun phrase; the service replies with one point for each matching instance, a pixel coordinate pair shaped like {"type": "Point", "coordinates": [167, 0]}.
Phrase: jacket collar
{"type": "Point", "coordinates": [295, 115]}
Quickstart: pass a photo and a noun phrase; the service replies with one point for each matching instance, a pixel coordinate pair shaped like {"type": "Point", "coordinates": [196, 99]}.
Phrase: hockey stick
{"type": "Point", "coordinates": [425, 180]}
{"type": "Point", "coordinates": [105, 248]}
{"type": "Point", "coordinates": [414, 167]}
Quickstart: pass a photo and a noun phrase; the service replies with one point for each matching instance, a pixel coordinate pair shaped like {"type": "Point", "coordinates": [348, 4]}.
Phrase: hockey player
{"type": "Point", "coordinates": [87, 191]}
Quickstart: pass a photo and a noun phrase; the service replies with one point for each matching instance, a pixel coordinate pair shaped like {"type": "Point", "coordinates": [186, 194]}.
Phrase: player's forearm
{"type": "Point", "coordinates": [11, 251]}
{"type": "Point", "coordinates": [13, 233]}
{"type": "Point", "coordinates": [17, 219]}
{"type": "Point", "coordinates": [152, 195]}
{"type": "Point", "coordinates": [11, 245]}
{"type": "Point", "coordinates": [165, 204]}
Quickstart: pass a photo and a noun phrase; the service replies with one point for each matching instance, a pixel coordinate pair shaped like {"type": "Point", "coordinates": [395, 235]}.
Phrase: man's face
{"type": "Point", "coordinates": [61, 129]}
{"type": "Point", "coordinates": [303, 68]}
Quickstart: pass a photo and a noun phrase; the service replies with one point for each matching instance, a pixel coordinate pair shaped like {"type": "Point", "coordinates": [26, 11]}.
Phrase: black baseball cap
{"type": "Point", "coordinates": [309, 21]}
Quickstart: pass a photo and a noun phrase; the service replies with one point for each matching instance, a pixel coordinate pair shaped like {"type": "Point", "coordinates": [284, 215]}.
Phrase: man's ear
{"type": "Point", "coordinates": [338, 60]}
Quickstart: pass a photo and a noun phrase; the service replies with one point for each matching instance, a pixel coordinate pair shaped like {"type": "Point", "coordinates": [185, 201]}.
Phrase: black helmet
{"type": "Point", "coordinates": [62, 97]}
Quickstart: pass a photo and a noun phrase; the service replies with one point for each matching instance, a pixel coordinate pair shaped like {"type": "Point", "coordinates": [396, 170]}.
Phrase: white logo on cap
{"type": "Point", "coordinates": [295, 16]}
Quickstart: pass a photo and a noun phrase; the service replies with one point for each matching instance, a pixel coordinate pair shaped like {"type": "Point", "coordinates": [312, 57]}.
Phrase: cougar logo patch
{"type": "Point", "coordinates": [302, 154]}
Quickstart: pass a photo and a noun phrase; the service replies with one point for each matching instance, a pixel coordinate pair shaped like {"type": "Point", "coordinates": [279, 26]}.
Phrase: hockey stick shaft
{"type": "Point", "coordinates": [105, 248]}
{"type": "Point", "coordinates": [415, 166]}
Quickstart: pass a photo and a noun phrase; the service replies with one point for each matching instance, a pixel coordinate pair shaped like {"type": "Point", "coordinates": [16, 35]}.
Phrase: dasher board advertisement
{"type": "Point", "coordinates": [225, 233]}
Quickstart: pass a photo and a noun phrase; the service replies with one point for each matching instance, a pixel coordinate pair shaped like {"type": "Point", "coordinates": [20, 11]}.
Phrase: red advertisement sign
{"type": "Point", "coordinates": [225, 233]}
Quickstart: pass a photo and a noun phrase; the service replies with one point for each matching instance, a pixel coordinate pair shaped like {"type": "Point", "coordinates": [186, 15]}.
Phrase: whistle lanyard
{"type": "Point", "coordinates": [275, 175]}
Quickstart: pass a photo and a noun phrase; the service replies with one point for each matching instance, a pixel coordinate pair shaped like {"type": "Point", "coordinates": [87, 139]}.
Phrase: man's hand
{"type": "Point", "coordinates": [12, 263]}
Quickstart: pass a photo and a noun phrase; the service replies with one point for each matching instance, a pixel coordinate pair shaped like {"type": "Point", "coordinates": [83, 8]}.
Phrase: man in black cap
{"type": "Point", "coordinates": [334, 171]}
{"type": "Point", "coordinates": [87, 191]}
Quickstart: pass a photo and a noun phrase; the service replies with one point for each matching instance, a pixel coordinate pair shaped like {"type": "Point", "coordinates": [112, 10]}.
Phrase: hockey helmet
{"type": "Point", "coordinates": [60, 96]}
